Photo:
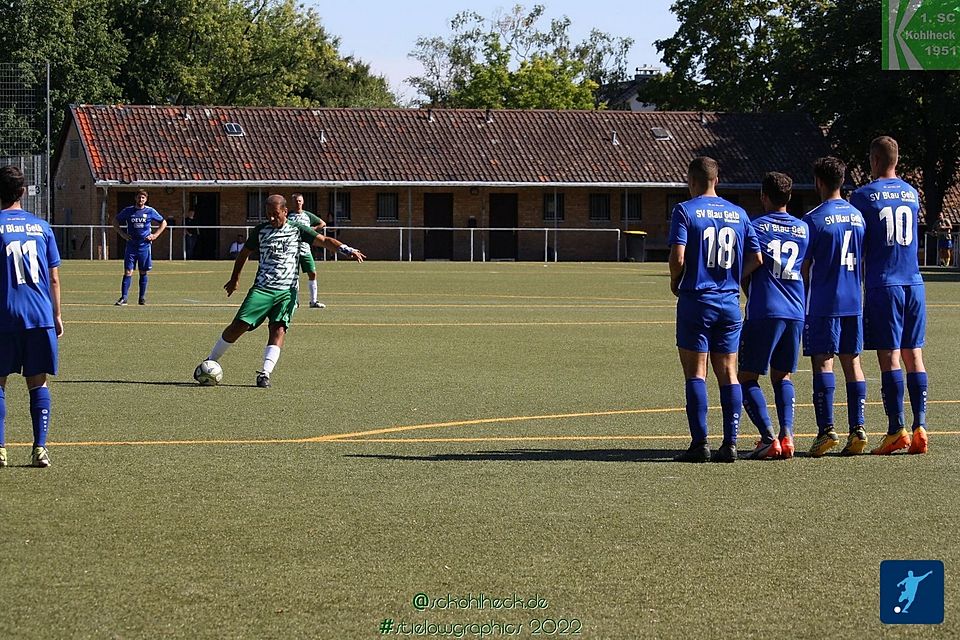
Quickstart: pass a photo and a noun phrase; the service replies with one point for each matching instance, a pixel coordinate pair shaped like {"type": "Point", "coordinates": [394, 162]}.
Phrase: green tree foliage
{"type": "Point", "coordinates": [231, 52]}
{"type": "Point", "coordinates": [821, 57]}
{"type": "Point", "coordinates": [511, 61]}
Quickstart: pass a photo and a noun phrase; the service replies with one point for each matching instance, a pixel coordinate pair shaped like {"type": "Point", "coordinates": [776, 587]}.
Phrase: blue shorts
{"type": "Point", "coordinates": [770, 342]}
{"type": "Point", "coordinates": [832, 335]}
{"type": "Point", "coordinates": [895, 317]}
{"type": "Point", "coordinates": [138, 256]}
{"type": "Point", "coordinates": [709, 323]}
{"type": "Point", "coordinates": [30, 352]}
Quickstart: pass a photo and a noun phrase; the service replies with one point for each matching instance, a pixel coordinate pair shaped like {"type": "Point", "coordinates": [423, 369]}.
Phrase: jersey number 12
{"type": "Point", "coordinates": [25, 262]}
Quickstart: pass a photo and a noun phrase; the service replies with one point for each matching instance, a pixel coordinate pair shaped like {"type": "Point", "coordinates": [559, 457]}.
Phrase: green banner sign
{"type": "Point", "coordinates": [921, 35]}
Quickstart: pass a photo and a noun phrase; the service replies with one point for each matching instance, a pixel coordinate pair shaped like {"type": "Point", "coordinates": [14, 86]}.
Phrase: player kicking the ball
{"type": "Point", "coordinates": [273, 295]}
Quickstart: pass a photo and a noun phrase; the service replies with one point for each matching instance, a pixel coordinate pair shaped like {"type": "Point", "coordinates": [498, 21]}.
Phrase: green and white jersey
{"type": "Point", "coordinates": [279, 253]}
{"type": "Point", "coordinates": [307, 219]}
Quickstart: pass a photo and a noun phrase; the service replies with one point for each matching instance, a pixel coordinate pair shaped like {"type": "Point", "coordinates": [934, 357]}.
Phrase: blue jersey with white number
{"type": "Point", "coordinates": [29, 252]}
{"type": "Point", "coordinates": [138, 223]}
{"type": "Point", "coordinates": [716, 234]}
{"type": "Point", "coordinates": [776, 288]}
{"type": "Point", "coordinates": [835, 253]}
{"type": "Point", "coordinates": [889, 207]}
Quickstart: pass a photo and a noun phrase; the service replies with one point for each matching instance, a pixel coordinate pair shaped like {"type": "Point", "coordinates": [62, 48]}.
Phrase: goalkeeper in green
{"type": "Point", "coordinates": [273, 295]}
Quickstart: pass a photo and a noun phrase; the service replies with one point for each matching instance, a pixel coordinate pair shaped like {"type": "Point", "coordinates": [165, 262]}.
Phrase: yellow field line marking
{"type": "Point", "coordinates": [356, 305]}
{"type": "Point", "coordinates": [684, 437]}
{"type": "Point", "coordinates": [392, 324]}
{"type": "Point", "coordinates": [361, 436]}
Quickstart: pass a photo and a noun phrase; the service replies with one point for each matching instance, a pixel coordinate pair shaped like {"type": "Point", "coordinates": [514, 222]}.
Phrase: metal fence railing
{"type": "Point", "coordinates": [474, 244]}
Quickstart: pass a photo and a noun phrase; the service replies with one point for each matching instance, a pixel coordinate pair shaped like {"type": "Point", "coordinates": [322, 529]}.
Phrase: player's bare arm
{"type": "Point", "coordinates": [155, 235]}
{"type": "Point", "coordinates": [751, 264]}
{"type": "Point", "coordinates": [234, 280]}
{"type": "Point", "coordinates": [335, 245]}
{"type": "Point", "coordinates": [55, 299]}
{"type": "Point", "coordinates": [120, 232]}
{"type": "Point", "coordinates": [676, 267]}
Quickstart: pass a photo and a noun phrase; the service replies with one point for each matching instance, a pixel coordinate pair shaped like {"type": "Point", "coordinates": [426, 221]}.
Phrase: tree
{"type": "Point", "coordinates": [818, 56]}
{"type": "Point", "coordinates": [509, 61]}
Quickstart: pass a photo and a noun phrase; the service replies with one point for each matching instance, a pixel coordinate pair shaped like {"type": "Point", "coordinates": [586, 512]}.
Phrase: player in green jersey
{"type": "Point", "coordinates": [307, 264]}
{"type": "Point", "coordinates": [273, 295]}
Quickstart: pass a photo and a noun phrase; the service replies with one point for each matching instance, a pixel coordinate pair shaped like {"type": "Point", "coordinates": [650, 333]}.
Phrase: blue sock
{"type": "Point", "coordinates": [731, 402]}
{"type": "Point", "coordinates": [125, 286]}
{"type": "Point", "coordinates": [143, 286]}
{"type": "Point", "coordinates": [824, 384]}
{"type": "Point", "coordinates": [3, 417]}
{"type": "Point", "coordinates": [756, 407]}
{"type": "Point", "coordinates": [856, 403]}
{"type": "Point", "coordinates": [696, 389]}
{"type": "Point", "coordinates": [40, 414]}
{"type": "Point", "coordinates": [891, 389]}
{"type": "Point", "coordinates": [917, 388]}
{"type": "Point", "coordinates": [785, 396]}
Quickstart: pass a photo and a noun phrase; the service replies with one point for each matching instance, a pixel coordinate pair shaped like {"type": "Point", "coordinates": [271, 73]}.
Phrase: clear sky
{"type": "Point", "coordinates": [383, 32]}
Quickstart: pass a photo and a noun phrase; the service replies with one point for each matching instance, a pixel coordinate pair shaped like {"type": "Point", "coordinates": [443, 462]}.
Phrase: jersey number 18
{"type": "Point", "coordinates": [721, 246]}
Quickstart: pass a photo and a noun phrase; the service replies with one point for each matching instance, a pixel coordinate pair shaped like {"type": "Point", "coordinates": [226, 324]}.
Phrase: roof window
{"type": "Point", "coordinates": [661, 134]}
{"type": "Point", "coordinates": [233, 128]}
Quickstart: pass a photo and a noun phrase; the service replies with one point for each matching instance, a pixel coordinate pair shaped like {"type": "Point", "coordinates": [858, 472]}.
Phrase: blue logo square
{"type": "Point", "coordinates": [911, 591]}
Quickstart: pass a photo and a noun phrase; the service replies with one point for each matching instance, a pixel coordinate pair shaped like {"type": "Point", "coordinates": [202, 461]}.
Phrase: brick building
{"type": "Point", "coordinates": [374, 173]}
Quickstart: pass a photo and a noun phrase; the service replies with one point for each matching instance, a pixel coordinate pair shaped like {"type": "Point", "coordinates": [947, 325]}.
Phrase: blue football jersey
{"type": "Point", "coordinates": [138, 222]}
{"type": "Point", "coordinates": [835, 253]}
{"type": "Point", "coordinates": [776, 288]}
{"type": "Point", "coordinates": [29, 252]}
{"type": "Point", "coordinates": [889, 207]}
{"type": "Point", "coordinates": [716, 234]}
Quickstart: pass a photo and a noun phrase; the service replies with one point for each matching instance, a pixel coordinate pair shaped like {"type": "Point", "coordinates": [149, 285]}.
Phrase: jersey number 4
{"type": "Point", "coordinates": [721, 246]}
{"type": "Point", "coordinates": [25, 260]}
{"type": "Point", "coordinates": [899, 225]}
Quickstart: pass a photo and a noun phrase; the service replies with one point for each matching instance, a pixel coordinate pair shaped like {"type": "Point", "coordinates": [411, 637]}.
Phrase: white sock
{"type": "Point", "coordinates": [219, 349]}
{"type": "Point", "coordinates": [313, 290]}
{"type": "Point", "coordinates": [270, 356]}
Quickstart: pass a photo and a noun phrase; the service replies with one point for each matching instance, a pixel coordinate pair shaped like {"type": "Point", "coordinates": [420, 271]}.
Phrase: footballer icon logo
{"type": "Point", "coordinates": [911, 591]}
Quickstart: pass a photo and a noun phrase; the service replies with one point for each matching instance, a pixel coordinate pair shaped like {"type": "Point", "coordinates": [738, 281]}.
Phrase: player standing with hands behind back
{"type": "Point", "coordinates": [712, 246]}
{"type": "Point", "coordinates": [30, 320]}
{"type": "Point", "coordinates": [895, 311]}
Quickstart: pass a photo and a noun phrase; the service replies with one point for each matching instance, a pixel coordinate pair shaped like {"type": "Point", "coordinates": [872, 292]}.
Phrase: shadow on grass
{"type": "Point", "coordinates": [539, 455]}
{"type": "Point", "coordinates": [940, 274]}
{"type": "Point", "coordinates": [156, 383]}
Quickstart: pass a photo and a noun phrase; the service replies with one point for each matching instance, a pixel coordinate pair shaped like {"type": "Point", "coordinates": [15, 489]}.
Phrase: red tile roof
{"type": "Point", "coordinates": [149, 144]}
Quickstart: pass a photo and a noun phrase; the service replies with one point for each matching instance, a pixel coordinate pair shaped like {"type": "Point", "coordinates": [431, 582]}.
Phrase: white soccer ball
{"type": "Point", "coordinates": [208, 373]}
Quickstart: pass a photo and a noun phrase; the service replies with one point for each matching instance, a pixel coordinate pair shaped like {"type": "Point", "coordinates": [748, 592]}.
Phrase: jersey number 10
{"type": "Point", "coordinates": [25, 262]}
{"type": "Point", "coordinates": [720, 246]}
{"type": "Point", "coordinates": [899, 225]}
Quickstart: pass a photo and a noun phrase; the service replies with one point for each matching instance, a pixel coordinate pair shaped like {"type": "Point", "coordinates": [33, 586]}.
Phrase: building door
{"type": "Point", "coordinates": [503, 214]}
{"type": "Point", "coordinates": [438, 212]}
{"type": "Point", "coordinates": [206, 212]}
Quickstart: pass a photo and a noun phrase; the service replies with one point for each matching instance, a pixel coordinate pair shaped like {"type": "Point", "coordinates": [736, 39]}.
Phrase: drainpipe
{"type": "Point", "coordinates": [103, 222]}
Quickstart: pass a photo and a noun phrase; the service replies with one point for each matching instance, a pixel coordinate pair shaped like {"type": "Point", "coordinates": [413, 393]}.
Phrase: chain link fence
{"type": "Point", "coordinates": [25, 129]}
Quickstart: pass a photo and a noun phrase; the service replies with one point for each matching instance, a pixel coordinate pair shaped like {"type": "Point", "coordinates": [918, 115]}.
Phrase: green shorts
{"type": "Point", "coordinates": [260, 304]}
{"type": "Point", "coordinates": [307, 265]}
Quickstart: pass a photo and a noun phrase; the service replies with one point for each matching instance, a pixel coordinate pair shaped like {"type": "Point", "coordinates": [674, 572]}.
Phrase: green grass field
{"type": "Point", "coordinates": [457, 429]}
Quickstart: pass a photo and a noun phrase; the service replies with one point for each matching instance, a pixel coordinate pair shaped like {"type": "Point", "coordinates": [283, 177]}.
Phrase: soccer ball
{"type": "Point", "coordinates": [208, 373]}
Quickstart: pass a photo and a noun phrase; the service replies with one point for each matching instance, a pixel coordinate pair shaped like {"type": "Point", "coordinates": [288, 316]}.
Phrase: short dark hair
{"type": "Point", "coordinates": [293, 196]}
{"type": "Point", "coordinates": [11, 185]}
{"type": "Point", "coordinates": [886, 150]}
{"type": "Point", "coordinates": [143, 193]}
{"type": "Point", "coordinates": [702, 170]}
{"type": "Point", "coordinates": [830, 171]}
{"type": "Point", "coordinates": [778, 187]}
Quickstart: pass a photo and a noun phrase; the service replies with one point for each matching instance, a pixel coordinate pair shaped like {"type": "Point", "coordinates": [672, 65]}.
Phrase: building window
{"type": "Point", "coordinates": [673, 199]}
{"type": "Point", "coordinates": [733, 199]}
{"type": "Point", "coordinates": [310, 201]}
{"type": "Point", "coordinates": [74, 148]}
{"type": "Point", "coordinates": [553, 207]}
{"type": "Point", "coordinates": [600, 207]}
{"type": "Point", "coordinates": [795, 206]}
{"type": "Point", "coordinates": [339, 207]}
{"type": "Point", "coordinates": [388, 207]}
{"type": "Point", "coordinates": [630, 207]}
{"type": "Point", "coordinates": [255, 204]}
